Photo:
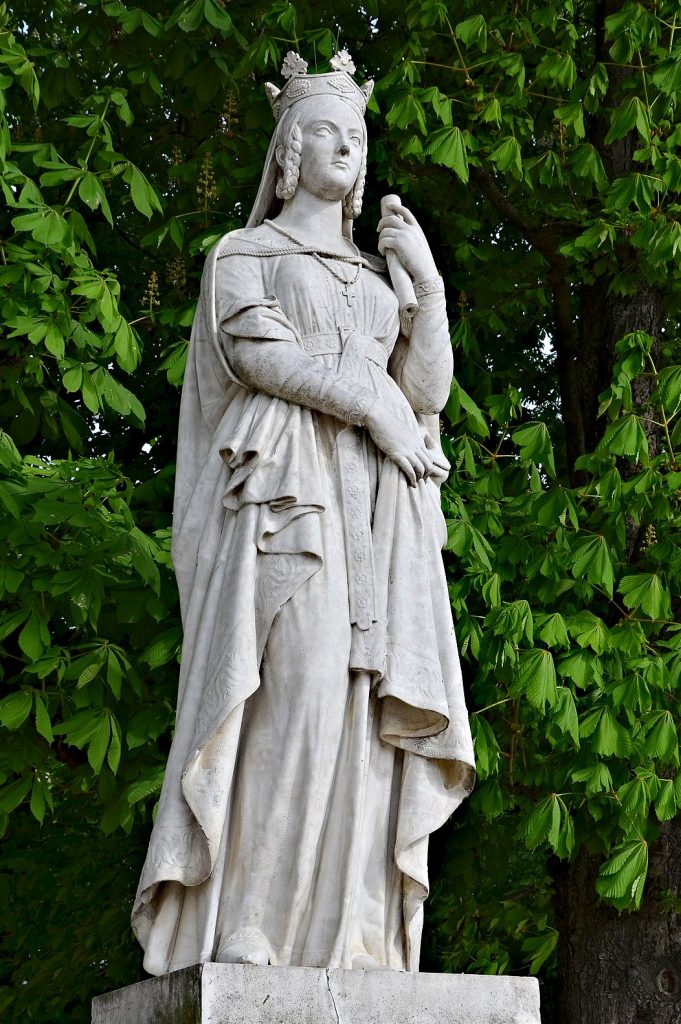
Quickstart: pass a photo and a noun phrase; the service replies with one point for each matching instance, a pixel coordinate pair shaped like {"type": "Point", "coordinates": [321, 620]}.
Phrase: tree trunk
{"type": "Point", "coordinates": [604, 319]}
{"type": "Point", "coordinates": [620, 968]}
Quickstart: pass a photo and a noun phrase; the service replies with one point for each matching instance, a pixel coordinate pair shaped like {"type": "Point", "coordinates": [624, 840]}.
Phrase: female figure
{"type": "Point", "coordinates": [321, 729]}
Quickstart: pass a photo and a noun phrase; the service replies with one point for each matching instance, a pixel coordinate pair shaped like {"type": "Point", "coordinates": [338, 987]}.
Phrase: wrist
{"type": "Point", "coordinates": [432, 285]}
{"type": "Point", "coordinates": [425, 271]}
{"type": "Point", "coordinates": [348, 402]}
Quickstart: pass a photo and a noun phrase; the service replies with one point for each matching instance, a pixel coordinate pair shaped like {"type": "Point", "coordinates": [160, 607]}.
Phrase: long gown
{"type": "Point", "coordinates": [321, 731]}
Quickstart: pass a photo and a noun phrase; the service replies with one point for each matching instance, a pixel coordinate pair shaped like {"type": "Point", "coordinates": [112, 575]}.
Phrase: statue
{"type": "Point", "coordinates": [321, 729]}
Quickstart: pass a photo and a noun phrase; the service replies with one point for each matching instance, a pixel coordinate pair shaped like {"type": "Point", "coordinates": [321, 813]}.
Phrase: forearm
{"type": "Point", "coordinates": [282, 370]}
{"type": "Point", "coordinates": [425, 369]}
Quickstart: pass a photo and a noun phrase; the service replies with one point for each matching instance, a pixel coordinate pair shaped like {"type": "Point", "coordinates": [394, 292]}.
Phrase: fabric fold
{"type": "Point", "coordinates": [257, 496]}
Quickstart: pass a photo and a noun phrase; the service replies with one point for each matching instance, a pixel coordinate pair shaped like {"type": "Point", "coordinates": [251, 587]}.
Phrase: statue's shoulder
{"type": "Point", "coordinates": [256, 241]}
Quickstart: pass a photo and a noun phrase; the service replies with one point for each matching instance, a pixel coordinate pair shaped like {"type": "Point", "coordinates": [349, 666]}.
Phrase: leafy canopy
{"type": "Point", "coordinates": [544, 159]}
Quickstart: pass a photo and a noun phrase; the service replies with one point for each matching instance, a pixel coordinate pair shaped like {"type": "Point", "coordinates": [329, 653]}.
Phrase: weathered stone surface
{"type": "Point", "coordinates": [235, 994]}
{"type": "Point", "coordinates": [322, 734]}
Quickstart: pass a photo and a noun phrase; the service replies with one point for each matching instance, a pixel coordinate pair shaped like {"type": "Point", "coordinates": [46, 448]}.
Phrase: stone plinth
{"type": "Point", "coordinates": [235, 994]}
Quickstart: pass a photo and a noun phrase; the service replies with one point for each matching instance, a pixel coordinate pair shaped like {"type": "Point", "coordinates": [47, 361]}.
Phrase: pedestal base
{"type": "Point", "coordinates": [235, 994]}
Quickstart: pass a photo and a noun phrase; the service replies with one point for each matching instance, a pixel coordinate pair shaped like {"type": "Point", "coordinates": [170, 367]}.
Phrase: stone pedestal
{"type": "Point", "coordinates": [234, 994]}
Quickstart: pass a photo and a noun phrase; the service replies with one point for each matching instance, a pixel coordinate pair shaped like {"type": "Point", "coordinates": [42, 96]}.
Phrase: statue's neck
{"type": "Point", "coordinates": [313, 220]}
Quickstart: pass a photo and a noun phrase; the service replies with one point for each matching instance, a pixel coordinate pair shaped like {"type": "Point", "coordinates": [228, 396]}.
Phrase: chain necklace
{"type": "Point", "coordinates": [349, 294]}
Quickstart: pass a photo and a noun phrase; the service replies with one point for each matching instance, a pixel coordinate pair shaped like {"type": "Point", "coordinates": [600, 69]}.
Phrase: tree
{"type": "Point", "coordinates": [539, 144]}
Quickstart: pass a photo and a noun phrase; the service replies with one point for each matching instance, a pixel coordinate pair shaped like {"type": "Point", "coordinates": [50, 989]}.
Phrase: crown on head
{"type": "Point", "coordinates": [299, 84]}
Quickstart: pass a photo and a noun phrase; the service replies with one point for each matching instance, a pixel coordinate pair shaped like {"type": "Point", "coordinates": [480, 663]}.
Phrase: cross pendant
{"type": "Point", "coordinates": [349, 293]}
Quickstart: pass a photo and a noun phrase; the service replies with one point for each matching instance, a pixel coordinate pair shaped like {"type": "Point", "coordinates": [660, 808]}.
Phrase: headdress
{"type": "Point", "coordinates": [298, 86]}
{"type": "Point", "coordinates": [335, 83]}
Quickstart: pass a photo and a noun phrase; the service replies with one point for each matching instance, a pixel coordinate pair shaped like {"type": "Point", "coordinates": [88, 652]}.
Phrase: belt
{"type": "Point", "coordinates": [354, 348]}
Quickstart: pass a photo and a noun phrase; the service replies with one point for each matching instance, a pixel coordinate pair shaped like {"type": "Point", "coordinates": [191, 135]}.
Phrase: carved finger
{"type": "Point", "coordinates": [387, 243]}
{"type": "Point", "coordinates": [393, 221]}
{"type": "Point", "coordinates": [406, 468]}
{"type": "Point", "coordinates": [408, 215]}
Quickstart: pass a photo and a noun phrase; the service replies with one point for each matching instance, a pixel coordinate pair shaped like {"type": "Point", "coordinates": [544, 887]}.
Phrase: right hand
{"type": "Point", "coordinates": [403, 444]}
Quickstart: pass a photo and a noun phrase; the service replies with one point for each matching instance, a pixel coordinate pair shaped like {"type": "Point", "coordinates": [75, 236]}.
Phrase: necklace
{"type": "Point", "coordinates": [347, 290]}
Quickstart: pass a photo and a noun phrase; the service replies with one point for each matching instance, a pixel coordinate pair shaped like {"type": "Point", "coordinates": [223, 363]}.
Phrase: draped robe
{"type": "Point", "coordinates": [321, 730]}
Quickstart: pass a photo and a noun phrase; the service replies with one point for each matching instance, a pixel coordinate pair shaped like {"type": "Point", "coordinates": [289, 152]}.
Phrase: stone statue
{"type": "Point", "coordinates": [321, 729]}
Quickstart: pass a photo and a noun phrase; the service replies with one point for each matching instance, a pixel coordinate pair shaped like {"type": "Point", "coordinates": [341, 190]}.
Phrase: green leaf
{"type": "Point", "coordinates": [537, 678]}
{"type": "Point", "coordinates": [37, 803]}
{"type": "Point", "coordinates": [487, 751]}
{"type": "Point", "coordinates": [609, 736]}
{"type": "Point", "coordinates": [491, 112]}
{"type": "Point", "coordinates": [506, 155]}
{"type": "Point", "coordinates": [164, 648]}
{"type": "Point", "coordinates": [12, 622]}
{"type": "Point", "coordinates": [572, 114]}
{"type": "Point", "coordinates": [30, 638]}
{"type": "Point", "coordinates": [661, 739]}
{"type": "Point", "coordinates": [407, 111]}
{"type": "Point", "coordinates": [635, 797]}
{"type": "Point", "coordinates": [15, 709]}
{"type": "Point", "coordinates": [447, 147]}
{"type": "Point", "coordinates": [623, 875]}
{"type": "Point", "coordinates": [540, 949]}
{"type": "Point", "coordinates": [192, 16]}
{"type": "Point", "coordinates": [589, 631]}
{"type": "Point", "coordinates": [668, 390]}
{"type": "Point", "coordinates": [99, 743]}
{"type": "Point", "coordinates": [113, 756]}
{"type": "Point", "coordinates": [42, 719]}
{"type": "Point", "coordinates": [91, 671]}
{"type": "Point", "coordinates": [127, 349]}
{"type": "Point", "coordinates": [647, 593]}
{"type": "Point", "coordinates": [473, 30]}
{"type": "Point", "coordinates": [535, 445]}
{"type": "Point", "coordinates": [585, 161]}
{"type": "Point", "coordinates": [626, 436]}
{"type": "Point", "coordinates": [218, 17]}
{"type": "Point", "coordinates": [667, 77]}
{"type": "Point", "coordinates": [665, 802]}
{"type": "Point", "coordinates": [460, 399]}
{"type": "Point", "coordinates": [539, 823]}
{"type": "Point", "coordinates": [558, 68]}
{"type": "Point", "coordinates": [630, 114]}
{"type": "Point", "coordinates": [565, 715]}
{"type": "Point", "coordinates": [148, 785]}
{"type": "Point", "coordinates": [143, 195]}
{"type": "Point", "coordinates": [596, 777]}
{"type": "Point", "coordinates": [551, 629]}
{"type": "Point", "coordinates": [12, 795]}
{"type": "Point", "coordinates": [591, 558]}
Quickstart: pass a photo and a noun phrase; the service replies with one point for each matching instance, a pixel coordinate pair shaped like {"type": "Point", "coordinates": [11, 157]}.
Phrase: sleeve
{"type": "Point", "coordinates": [244, 309]}
{"type": "Point", "coordinates": [422, 363]}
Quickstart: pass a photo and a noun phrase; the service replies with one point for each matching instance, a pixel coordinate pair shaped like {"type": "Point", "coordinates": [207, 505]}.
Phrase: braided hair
{"type": "Point", "coordinates": [352, 203]}
{"type": "Point", "coordinates": [287, 182]}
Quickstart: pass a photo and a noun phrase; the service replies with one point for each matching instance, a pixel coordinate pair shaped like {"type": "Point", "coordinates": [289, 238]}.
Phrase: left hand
{"type": "Point", "coordinates": [399, 232]}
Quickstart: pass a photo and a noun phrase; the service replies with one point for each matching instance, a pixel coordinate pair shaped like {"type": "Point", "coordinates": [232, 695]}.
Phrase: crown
{"type": "Point", "coordinates": [299, 84]}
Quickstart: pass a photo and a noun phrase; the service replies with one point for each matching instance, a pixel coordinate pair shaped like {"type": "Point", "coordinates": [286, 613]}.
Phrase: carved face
{"type": "Point", "coordinates": [332, 148]}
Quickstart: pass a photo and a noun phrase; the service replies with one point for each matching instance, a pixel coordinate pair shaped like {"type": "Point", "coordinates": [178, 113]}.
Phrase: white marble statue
{"type": "Point", "coordinates": [321, 728]}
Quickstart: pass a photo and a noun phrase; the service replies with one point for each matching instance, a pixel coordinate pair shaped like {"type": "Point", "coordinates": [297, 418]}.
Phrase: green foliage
{"type": "Point", "coordinates": [130, 140]}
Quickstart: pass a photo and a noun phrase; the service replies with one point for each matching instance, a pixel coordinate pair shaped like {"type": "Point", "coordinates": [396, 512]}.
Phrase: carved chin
{"type": "Point", "coordinates": [333, 188]}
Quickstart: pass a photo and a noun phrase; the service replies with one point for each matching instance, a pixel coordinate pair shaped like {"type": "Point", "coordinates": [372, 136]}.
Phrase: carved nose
{"type": "Point", "coordinates": [344, 149]}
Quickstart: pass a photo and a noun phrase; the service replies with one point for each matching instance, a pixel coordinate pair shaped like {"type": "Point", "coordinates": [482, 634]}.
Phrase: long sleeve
{"type": "Point", "coordinates": [263, 352]}
{"type": "Point", "coordinates": [423, 364]}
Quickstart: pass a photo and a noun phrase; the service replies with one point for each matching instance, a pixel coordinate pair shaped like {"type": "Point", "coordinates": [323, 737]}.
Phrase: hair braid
{"type": "Point", "coordinates": [288, 182]}
{"type": "Point", "coordinates": [352, 204]}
